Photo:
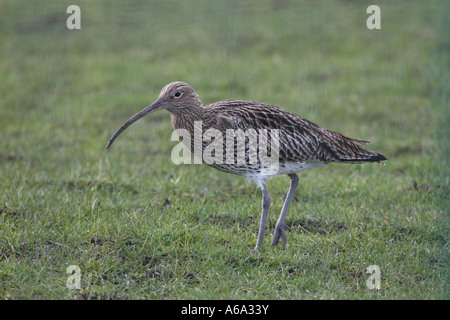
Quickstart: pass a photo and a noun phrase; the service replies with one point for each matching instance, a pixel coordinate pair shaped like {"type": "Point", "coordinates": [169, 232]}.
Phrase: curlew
{"type": "Point", "coordinates": [299, 144]}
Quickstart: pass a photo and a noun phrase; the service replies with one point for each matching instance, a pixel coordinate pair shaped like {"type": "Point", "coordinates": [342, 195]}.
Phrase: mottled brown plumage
{"type": "Point", "coordinates": [302, 143]}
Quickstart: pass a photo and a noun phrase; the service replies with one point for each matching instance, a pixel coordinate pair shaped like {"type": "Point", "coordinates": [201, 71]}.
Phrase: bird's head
{"type": "Point", "coordinates": [176, 97]}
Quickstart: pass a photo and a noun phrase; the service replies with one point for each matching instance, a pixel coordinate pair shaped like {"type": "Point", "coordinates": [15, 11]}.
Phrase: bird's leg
{"type": "Point", "coordinates": [279, 227]}
{"type": "Point", "coordinates": [264, 214]}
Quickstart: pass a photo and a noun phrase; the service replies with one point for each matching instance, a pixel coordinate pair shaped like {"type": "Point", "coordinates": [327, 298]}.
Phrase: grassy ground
{"type": "Point", "coordinates": [139, 226]}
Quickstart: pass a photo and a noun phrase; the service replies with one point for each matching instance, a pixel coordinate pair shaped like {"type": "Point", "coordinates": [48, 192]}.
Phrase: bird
{"type": "Point", "coordinates": [298, 143]}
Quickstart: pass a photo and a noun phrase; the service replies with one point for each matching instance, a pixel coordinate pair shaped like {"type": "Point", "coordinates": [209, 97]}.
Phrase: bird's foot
{"type": "Point", "coordinates": [257, 248]}
{"type": "Point", "coordinates": [280, 233]}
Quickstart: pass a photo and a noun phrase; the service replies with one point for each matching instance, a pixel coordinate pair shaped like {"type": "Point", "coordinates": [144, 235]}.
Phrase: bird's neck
{"type": "Point", "coordinates": [185, 118]}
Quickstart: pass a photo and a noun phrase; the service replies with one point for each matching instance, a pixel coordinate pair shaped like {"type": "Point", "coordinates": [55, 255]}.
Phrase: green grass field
{"type": "Point", "coordinates": [140, 227]}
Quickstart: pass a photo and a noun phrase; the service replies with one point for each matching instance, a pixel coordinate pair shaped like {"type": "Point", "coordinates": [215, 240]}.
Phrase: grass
{"type": "Point", "coordinates": [140, 227]}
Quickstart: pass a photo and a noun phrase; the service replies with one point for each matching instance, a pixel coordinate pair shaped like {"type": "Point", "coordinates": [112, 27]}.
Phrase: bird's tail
{"type": "Point", "coordinates": [341, 148]}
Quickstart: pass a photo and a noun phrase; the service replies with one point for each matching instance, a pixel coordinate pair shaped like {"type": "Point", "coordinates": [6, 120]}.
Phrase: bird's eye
{"type": "Point", "coordinates": [177, 94]}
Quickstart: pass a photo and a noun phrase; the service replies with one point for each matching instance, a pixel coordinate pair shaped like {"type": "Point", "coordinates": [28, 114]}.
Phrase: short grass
{"type": "Point", "coordinates": [140, 227]}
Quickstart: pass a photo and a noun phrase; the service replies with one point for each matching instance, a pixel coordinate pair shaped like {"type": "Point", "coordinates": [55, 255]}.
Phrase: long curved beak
{"type": "Point", "coordinates": [157, 105]}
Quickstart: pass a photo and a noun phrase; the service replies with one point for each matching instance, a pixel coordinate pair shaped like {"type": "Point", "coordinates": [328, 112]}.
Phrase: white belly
{"type": "Point", "coordinates": [285, 168]}
{"type": "Point", "coordinates": [293, 167]}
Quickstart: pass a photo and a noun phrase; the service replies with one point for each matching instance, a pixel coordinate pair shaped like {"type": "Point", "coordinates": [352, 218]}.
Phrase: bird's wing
{"type": "Point", "coordinates": [300, 140]}
{"type": "Point", "coordinates": [298, 137]}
